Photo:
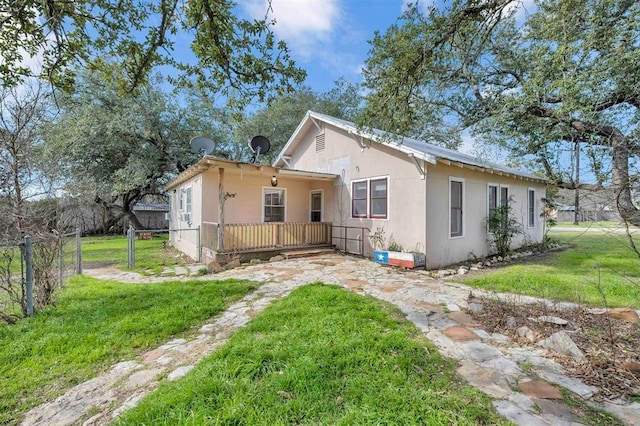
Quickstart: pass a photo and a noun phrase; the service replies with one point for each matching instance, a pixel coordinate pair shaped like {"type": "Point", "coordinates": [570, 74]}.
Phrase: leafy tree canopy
{"type": "Point", "coordinates": [564, 77]}
{"type": "Point", "coordinates": [230, 53]}
{"type": "Point", "coordinates": [116, 148]}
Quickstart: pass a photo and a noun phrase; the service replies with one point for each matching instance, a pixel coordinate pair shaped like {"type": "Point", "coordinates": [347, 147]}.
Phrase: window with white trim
{"type": "Point", "coordinates": [492, 197]}
{"type": "Point", "coordinates": [531, 207]}
{"type": "Point", "coordinates": [456, 206]}
{"type": "Point", "coordinates": [187, 206]}
{"type": "Point", "coordinates": [378, 197]}
{"type": "Point", "coordinates": [316, 206]}
{"type": "Point", "coordinates": [370, 198]}
{"type": "Point", "coordinates": [359, 199]}
{"type": "Point", "coordinates": [274, 205]}
{"type": "Point", "coordinates": [497, 196]}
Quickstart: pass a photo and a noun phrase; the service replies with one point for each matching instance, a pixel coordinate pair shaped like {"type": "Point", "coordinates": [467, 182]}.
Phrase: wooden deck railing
{"type": "Point", "coordinates": [258, 236]}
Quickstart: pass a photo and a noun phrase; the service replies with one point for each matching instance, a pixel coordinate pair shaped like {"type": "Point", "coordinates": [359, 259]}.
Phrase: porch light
{"type": "Point", "coordinates": [274, 181]}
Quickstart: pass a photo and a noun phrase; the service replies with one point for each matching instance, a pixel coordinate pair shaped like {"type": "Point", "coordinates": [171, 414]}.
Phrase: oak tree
{"type": "Point", "coordinates": [560, 78]}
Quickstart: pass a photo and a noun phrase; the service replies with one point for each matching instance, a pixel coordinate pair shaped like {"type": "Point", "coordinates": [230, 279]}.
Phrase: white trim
{"type": "Point", "coordinates": [430, 154]}
{"type": "Point", "coordinates": [316, 191]}
{"type": "Point", "coordinates": [286, 198]}
{"type": "Point", "coordinates": [368, 214]}
{"type": "Point", "coordinates": [462, 181]}
{"type": "Point", "coordinates": [351, 215]}
{"type": "Point", "coordinates": [507, 187]}
{"type": "Point", "coordinates": [529, 225]}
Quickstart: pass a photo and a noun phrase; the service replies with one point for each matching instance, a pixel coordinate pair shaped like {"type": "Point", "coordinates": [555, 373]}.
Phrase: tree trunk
{"type": "Point", "coordinates": [620, 180]}
{"type": "Point", "coordinates": [133, 219]}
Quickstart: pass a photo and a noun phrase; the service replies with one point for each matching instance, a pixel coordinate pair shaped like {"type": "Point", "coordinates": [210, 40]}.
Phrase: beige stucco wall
{"type": "Point", "coordinates": [444, 250]}
{"type": "Point", "coordinates": [418, 212]}
{"type": "Point", "coordinates": [344, 156]}
{"type": "Point", "coordinates": [246, 206]}
{"type": "Point", "coordinates": [184, 236]}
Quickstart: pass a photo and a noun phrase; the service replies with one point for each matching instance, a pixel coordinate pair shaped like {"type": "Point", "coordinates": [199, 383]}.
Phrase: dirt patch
{"type": "Point", "coordinates": [98, 265]}
{"type": "Point", "coordinates": [610, 346]}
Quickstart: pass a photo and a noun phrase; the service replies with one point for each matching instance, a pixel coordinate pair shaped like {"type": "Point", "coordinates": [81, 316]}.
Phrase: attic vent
{"type": "Point", "coordinates": [320, 142]}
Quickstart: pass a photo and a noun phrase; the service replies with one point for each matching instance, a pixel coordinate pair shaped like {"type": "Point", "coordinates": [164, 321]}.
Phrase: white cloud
{"type": "Point", "coordinates": [423, 5]}
{"type": "Point", "coordinates": [298, 22]}
{"type": "Point", "coordinates": [521, 9]}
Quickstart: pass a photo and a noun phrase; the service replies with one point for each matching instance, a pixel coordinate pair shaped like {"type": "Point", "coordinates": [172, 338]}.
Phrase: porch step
{"type": "Point", "coordinates": [306, 253]}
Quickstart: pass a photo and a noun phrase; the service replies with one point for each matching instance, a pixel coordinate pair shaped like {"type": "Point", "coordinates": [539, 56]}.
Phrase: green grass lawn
{"type": "Point", "coordinates": [94, 325]}
{"type": "Point", "coordinates": [150, 255]}
{"type": "Point", "coordinates": [595, 262]}
{"type": "Point", "coordinates": [583, 225]}
{"type": "Point", "coordinates": [321, 356]}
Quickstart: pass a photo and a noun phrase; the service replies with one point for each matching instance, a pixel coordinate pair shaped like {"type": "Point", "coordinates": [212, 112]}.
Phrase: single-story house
{"type": "Point", "coordinates": [334, 183]}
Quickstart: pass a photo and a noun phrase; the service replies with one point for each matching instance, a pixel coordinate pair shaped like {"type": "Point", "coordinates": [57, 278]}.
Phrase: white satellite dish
{"type": "Point", "coordinates": [202, 145]}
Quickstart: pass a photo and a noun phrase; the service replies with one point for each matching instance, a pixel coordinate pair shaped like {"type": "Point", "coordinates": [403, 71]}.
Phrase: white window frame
{"type": "Point", "coordinates": [311, 193]}
{"type": "Point", "coordinates": [368, 198]}
{"type": "Point", "coordinates": [188, 204]}
{"type": "Point", "coordinates": [531, 209]}
{"type": "Point", "coordinates": [284, 191]}
{"type": "Point", "coordinates": [497, 186]}
{"type": "Point", "coordinates": [463, 207]}
{"type": "Point", "coordinates": [508, 194]}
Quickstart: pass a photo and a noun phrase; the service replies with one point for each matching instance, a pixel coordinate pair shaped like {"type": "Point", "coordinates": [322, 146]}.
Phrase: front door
{"type": "Point", "coordinates": [316, 206]}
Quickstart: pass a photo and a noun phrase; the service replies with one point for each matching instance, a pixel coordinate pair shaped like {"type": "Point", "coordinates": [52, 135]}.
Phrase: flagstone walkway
{"type": "Point", "coordinates": [490, 362]}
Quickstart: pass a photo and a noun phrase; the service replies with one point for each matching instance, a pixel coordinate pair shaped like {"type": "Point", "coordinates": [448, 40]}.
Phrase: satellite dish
{"type": "Point", "coordinates": [202, 145]}
{"type": "Point", "coordinates": [259, 145]}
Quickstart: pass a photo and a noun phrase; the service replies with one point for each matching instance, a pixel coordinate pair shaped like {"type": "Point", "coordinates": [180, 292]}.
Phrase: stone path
{"type": "Point", "coordinates": [489, 362]}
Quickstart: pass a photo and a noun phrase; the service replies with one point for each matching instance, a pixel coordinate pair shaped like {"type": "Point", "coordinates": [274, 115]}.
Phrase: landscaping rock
{"type": "Point", "coordinates": [574, 385]}
{"type": "Point", "coordinates": [214, 267]}
{"type": "Point", "coordinates": [561, 342]}
{"type": "Point", "coordinates": [277, 258]}
{"type": "Point", "coordinates": [475, 307]}
{"type": "Point", "coordinates": [489, 381]}
{"type": "Point", "coordinates": [452, 307]}
{"type": "Point", "coordinates": [179, 372]}
{"type": "Point", "coordinates": [556, 409]}
{"type": "Point", "coordinates": [526, 333]}
{"type": "Point", "coordinates": [460, 334]}
{"type": "Point", "coordinates": [233, 264]}
{"type": "Point", "coordinates": [462, 270]}
{"type": "Point", "coordinates": [550, 319]}
{"type": "Point", "coordinates": [539, 389]}
{"type": "Point", "coordinates": [443, 273]}
{"type": "Point", "coordinates": [462, 319]}
{"type": "Point", "coordinates": [511, 322]}
{"type": "Point", "coordinates": [630, 413]}
{"type": "Point", "coordinates": [255, 261]}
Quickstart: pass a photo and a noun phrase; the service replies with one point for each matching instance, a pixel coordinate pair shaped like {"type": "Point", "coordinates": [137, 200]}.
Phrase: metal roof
{"type": "Point", "coordinates": [421, 149]}
{"type": "Point", "coordinates": [155, 207]}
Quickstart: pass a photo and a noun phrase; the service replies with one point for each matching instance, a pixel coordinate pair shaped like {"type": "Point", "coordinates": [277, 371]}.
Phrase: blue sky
{"type": "Point", "coordinates": [328, 38]}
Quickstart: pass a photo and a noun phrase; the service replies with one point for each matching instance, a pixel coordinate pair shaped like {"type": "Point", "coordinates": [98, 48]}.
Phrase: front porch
{"type": "Point", "coordinates": [251, 240]}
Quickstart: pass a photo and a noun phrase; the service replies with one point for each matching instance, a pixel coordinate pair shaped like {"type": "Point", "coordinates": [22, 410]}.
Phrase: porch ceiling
{"type": "Point", "coordinates": [237, 167]}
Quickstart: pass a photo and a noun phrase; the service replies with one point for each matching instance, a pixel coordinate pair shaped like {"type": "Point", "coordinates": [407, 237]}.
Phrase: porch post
{"type": "Point", "coordinates": [220, 209]}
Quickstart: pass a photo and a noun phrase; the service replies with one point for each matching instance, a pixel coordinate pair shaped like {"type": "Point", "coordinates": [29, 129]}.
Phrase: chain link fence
{"type": "Point", "coordinates": [32, 269]}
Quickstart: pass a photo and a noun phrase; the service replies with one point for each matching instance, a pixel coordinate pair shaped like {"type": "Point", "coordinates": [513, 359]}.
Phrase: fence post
{"type": "Point", "coordinates": [131, 247]}
{"type": "Point", "coordinates": [198, 245]}
{"type": "Point", "coordinates": [28, 260]}
{"type": "Point", "coordinates": [61, 257]}
{"type": "Point", "coordinates": [78, 252]}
